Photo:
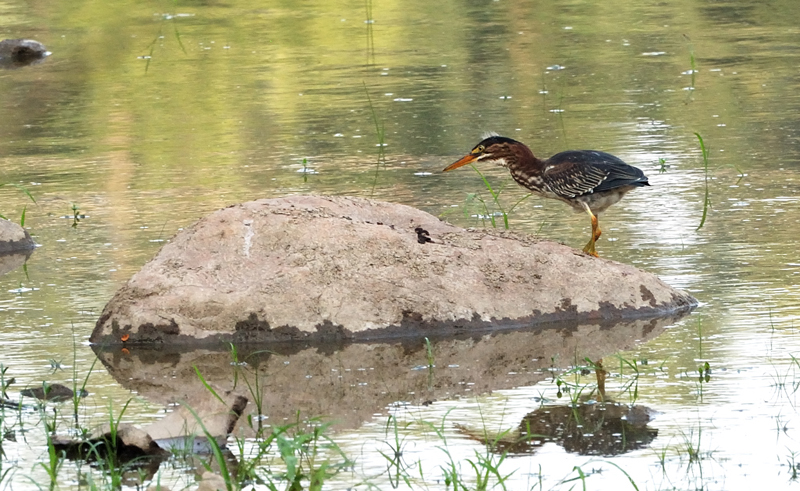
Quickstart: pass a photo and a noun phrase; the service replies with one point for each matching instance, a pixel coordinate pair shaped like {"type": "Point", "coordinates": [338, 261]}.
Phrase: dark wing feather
{"type": "Point", "coordinates": [578, 172]}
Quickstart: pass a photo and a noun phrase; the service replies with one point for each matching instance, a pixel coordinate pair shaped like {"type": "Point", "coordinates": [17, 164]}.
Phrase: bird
{"type": "Point", "coordinates": [587, 180]}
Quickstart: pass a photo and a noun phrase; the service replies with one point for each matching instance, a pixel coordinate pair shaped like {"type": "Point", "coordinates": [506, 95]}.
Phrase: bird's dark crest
{"type": "Point", "coordinates": [494, 139]}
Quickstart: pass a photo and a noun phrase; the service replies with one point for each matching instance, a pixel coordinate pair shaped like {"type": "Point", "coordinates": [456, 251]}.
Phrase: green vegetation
{"type": "Point", "coordinates": [706, 199]}
{"type": "Point", "coordinates": [369, 21]}
{"type": "Point", "coordinates": [380, 134]}
{"type": "Point", "coordinates": [303, 454]}
{"type": "Point", "coordinates": [76, 216]}
{"type": "Point", "coordinates": [431, 365]}
{"type": "Point", "coordinates": [692, 71]}
{"type": "Point", "coordinates": [158, 39]}
{"type": "Point", "coordinates": [25, 208]}
{"type": "Point", "coordinates": [486, 211]}
{"type": "Point", "coordinates": [396, 467]}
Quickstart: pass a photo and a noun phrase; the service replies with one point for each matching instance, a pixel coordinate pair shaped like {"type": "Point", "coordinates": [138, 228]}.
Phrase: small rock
{"type": "Point", "coordinates": [51, 392]}
{"type": "Point", "coordinates": [14, 238]}
{"type": "Point", "coordinates": [212, 482]}
{"type": "Point", "coordinates": [16, 53]}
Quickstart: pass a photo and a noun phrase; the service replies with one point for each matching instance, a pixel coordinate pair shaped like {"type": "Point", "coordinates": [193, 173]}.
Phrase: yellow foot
{"type": "Point", "coordinates": [589, 249]}
{"type": "Point", "coordinates": [596, 232]}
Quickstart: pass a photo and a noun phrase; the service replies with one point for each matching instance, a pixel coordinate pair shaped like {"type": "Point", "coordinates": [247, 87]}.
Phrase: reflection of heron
{"type": "Point", "coordinates": [587, 180]}
{"type": "Point", "coordinates": [587, 428]}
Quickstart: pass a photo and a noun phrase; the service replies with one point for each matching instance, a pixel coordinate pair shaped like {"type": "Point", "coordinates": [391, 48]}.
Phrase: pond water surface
{"type": "Point", "coordinates": [150, 115]}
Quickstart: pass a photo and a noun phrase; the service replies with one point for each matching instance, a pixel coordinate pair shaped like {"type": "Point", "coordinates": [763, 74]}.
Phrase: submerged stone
{"type": "Point", "coordinates": [341, 267]}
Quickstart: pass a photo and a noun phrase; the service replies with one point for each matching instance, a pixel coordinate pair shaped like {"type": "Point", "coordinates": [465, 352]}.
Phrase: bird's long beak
{"type": "Point", "coordinates": [464, 161]}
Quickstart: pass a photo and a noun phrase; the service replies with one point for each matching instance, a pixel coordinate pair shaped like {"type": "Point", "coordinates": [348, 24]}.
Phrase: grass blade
{"type": "Point", "coordinates": [706, 201]}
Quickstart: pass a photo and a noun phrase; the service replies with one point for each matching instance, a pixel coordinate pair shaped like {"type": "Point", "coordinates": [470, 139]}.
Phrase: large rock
{"type": "Point", "coordinates": [308, 266]}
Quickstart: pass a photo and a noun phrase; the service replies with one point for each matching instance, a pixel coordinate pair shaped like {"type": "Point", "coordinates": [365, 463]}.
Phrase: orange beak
{"type": "Point", "coordinates": [464, 161]}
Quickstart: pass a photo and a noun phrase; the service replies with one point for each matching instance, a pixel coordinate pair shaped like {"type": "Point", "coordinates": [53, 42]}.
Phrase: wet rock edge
{"type": "Point", "coordinates": [254, 330]}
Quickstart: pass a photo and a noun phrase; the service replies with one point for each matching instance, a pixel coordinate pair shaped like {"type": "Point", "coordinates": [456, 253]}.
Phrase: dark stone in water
{"type": "Point", "coordinates": [14, 238]}
{"type": "Point", "coordinates": [51, 392]}
{"type": "Point", "coordinates": [16, 53]}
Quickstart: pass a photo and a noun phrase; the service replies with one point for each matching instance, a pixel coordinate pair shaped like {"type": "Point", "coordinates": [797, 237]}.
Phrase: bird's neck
{"type": "Point", "coordinates": [524, 164]}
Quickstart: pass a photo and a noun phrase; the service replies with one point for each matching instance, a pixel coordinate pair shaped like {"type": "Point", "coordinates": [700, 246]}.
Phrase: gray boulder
{"type": "Point", "coordinates": [342, 267]}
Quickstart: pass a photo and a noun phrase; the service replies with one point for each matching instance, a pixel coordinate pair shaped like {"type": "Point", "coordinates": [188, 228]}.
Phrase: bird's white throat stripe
{"type": "Point", "coordinates": [488, 157]}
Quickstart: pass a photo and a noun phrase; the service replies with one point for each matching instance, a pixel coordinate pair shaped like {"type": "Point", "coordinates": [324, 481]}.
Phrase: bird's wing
{"type": "Point", "coordinates": [578, 172]}
{"type": "Point", "coordinates": [569, 178]}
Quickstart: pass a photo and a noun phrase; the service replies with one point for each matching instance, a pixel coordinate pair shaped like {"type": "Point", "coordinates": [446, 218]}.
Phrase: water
{"type": "Point", "coordinates": [148, 120]}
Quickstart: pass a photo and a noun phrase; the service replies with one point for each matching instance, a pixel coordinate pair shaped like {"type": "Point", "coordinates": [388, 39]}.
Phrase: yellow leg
{"type": "Point", "coordinates": [596, 232]}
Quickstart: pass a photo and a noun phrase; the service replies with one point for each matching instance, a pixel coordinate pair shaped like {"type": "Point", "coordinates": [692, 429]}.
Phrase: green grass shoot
{"type": "Point", "coordinates": [24, 209]}
{"type": "Point", "coordinates": [369, 21]}
{"type": "Point", "coordinates": [706, 200]}
{"type": "Point", "coordinates": [496, 199]}
{"type": "Point", "coordinates": [380, 133]}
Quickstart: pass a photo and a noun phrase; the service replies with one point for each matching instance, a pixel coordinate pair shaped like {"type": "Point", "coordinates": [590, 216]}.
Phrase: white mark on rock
{"type": "Point", "coordinates": [248, 237]}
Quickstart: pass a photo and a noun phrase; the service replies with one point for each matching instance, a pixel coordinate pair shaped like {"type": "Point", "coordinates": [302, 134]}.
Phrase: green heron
{"type": "Point", "coordinates": [587, 180]}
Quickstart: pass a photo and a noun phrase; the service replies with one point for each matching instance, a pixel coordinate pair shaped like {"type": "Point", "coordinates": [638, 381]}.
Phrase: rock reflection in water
{"type": "Point", "coordinates": [11, 261]}
{"type": "Point", "coordinates": [348, 383]}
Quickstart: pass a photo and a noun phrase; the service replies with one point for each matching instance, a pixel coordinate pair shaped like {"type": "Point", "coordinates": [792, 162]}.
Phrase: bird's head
{"type": "Point", "coordinates": [496, 149]}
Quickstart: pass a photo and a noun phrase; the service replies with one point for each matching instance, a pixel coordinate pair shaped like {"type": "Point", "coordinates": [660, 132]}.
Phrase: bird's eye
{"type": "Point", "coordinates": [478, 149]}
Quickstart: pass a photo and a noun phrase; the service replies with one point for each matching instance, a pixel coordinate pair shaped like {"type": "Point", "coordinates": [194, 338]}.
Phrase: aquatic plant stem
{"type": "Point", "coordinates": [380, 132]}
{"type": "Point", "coordinates": [706, 201]}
